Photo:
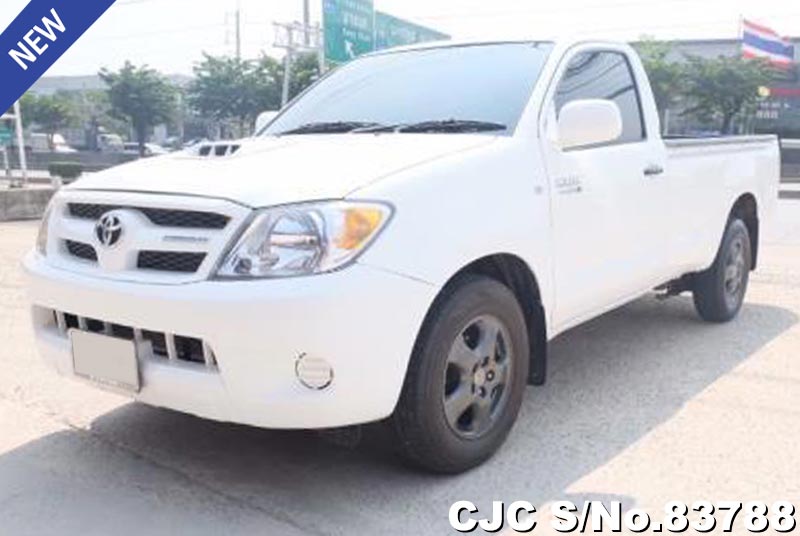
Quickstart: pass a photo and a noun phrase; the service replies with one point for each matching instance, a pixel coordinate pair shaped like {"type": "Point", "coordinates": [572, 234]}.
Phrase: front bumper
{"type": "Point", "coordinates": [362, 320]}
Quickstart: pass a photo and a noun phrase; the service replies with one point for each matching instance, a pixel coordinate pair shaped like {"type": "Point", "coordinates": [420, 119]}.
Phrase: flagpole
{"type": "Point", "coordinates": [740, 31]}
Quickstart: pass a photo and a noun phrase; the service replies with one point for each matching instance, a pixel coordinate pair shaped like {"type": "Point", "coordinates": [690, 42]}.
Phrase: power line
{"type": "Point", "coordinates": [641, 28]}
{"type": "Point", "coordinates": [171, 31]}
{"type": "Point", "coordinates": [701, 24]}
{"type": "Point", "coordinates": [537, 11]}
{"type": "Point", "coordinates": [461, 14]}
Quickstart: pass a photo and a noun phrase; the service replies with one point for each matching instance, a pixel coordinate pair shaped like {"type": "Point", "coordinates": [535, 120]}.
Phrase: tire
{"type": "Point", "coordinates": [466, 379]}
{"type": "Point", "coordinates": [719, 291]}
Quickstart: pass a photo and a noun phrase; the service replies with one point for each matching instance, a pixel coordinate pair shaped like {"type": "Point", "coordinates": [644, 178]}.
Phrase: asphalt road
{"type": "Point", "coordinates": [644, 405]}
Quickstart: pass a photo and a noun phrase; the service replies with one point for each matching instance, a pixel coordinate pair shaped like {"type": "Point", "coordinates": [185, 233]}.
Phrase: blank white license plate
{"type": "Point", "coordinates": [105, 360]}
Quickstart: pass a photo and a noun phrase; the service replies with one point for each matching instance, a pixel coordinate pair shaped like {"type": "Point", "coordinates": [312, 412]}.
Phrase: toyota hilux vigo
{"type": "Point", "coordinates": [399, 244]}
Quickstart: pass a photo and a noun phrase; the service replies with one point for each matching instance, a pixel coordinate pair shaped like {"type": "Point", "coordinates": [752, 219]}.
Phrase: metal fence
{"type": "Point", "coordinates": [91, 161]}
{"type": "Point", "coordinates": [790, 158]}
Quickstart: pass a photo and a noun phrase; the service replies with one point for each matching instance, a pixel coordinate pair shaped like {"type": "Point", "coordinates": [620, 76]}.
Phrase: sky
{"type": "Point", "coordinates": [171, 35]}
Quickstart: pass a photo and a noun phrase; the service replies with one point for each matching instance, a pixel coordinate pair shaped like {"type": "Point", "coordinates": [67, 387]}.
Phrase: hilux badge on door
{"type": "Point", "coordinates": [108, 230]}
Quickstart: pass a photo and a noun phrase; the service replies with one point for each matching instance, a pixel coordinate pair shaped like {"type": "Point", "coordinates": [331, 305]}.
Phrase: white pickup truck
{"type": "Point", "coordinates": [399, 244]}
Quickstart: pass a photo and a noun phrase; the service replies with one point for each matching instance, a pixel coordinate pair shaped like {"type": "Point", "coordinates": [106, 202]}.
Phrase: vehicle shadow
{"type": "Point", "coordinates": [611, 382]}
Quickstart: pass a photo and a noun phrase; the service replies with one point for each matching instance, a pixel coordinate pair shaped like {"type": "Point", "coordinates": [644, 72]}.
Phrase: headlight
{"type": "Point", "coordinates": [304, 239]}
{"type": "Point", "coordinates": [44, 230]}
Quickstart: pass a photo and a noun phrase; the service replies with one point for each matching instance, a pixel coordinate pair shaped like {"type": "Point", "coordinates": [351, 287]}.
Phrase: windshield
{"type": "Point", "coordinates": [480, 88]}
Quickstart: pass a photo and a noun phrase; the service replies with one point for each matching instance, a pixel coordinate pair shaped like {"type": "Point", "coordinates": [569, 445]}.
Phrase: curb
{"type": "Point", "coordinates": [24, 204]}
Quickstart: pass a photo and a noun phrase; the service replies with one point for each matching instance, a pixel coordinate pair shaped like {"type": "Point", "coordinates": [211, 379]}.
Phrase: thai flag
{"type": "Point", "coordinates": [761, 42]}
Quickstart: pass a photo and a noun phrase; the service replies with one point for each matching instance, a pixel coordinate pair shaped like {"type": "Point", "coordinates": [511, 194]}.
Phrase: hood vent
{"type": "Point", "coordinates": [218, 150]}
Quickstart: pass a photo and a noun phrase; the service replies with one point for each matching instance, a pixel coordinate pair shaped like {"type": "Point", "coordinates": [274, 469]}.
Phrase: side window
{"type": "Point", "coordinates": [604, 75]}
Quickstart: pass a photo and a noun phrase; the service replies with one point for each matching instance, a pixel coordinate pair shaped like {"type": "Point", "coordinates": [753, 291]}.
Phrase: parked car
{"type": "Point", "coordinates": [41, 143]}
{"type": "Point", "coordinates": [150, 149]}
{"type": "Point", "coordinates": [110, 143]}
{"type": "Point", "coordinates": [400, 243]}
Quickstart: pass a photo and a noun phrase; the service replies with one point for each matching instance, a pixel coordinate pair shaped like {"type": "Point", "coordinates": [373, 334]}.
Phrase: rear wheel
{"type": "Point", "coordinates": [466, 379]}
{"type": "Point", "coordinates": [719, 291]}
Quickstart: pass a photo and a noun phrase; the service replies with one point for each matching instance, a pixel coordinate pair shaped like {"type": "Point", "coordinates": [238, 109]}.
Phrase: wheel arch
{"type": "Point", "coordinates": [513, 272]}
{"type": "Point", "coordinates": [746, 208]}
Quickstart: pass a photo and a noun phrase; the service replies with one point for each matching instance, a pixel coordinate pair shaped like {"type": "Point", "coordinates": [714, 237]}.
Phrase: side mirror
{"type": "Point", "coordinates": [583, 123]}
{"type": "Point", "coordinates": [264, 119]}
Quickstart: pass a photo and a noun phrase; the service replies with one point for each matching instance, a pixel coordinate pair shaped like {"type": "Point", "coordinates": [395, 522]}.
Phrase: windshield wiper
{"type": "Point", "coordinates": [445, 125]}
{"type": "Point", "coordinates": [452, 125]}
{"type": "Point", "coordinates": [331, 127]}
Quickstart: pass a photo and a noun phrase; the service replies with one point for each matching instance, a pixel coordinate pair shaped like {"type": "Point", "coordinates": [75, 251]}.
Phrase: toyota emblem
{"type": "Point", "coordinates": [108, 230]}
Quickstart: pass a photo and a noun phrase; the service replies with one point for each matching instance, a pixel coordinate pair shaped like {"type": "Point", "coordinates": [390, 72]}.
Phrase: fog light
{"type": "Point", "coordinates": [313, 372]}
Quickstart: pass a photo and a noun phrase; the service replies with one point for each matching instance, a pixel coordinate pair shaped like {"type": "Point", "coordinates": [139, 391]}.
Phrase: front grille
{"type": "Point", "coordinates": [185, 348]}
{"type": "Point", "coordinates": [163, 345]}
{"type": "Point", "coordinates": [183, 219]}
{"type": "Point", "coordinates": [170, 261]}
{"type": "Point", "coordinates": [81, 251]}
{"type": "Point", "coordinates": [162, 261]}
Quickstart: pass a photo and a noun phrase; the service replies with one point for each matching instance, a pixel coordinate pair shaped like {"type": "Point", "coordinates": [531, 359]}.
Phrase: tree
{"type": "Point", "coordinates": [724, 88]}
{"type": "Point", "coordinates": [92, 113]}
{"type": "Point", "coordinates": [232, 91]}
{"type": "Point", "coordinates": [50, 113]}
{"type": "Point", "coordinates": [305, 71]}
{"type": "Point", "coordinates": [142, 97]}
{"type": "Point", "coordinates": [667, 77]}
{"type": "Point", "coordinates": [267, 78]}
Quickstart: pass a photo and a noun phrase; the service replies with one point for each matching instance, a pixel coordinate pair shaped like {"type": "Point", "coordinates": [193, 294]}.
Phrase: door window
{"type": "Point", "coordinates": [604, 75]}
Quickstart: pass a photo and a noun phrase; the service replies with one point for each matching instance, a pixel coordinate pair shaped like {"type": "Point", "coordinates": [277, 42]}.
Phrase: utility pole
{"type": "Point", "coordinates": [287, 76]}
{"type": "Point", "coordinates": [288, 37]}
{"type": "Point", "coordinates": [307, 22]}
{"type": "Point", "coordinates": [6, 164]}
{"type": "Point", "coordinates": [16, 116]}
{"type": "Point", "coordinates": [238, 30]}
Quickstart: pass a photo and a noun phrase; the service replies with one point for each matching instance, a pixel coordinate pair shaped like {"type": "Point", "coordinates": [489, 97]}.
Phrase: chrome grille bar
{"type": "Point", "coordinates": [83, 324]}
{"type": "Point", "coordinates": [208, 355]}
{"type": "Point", "coordinates": [61, 322]}
{"type": "Point", "coordinates": [172, 349]}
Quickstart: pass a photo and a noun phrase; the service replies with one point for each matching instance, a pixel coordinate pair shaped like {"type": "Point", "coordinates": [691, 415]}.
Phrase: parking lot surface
{"type": "Point", "coordinates": [644, 405]}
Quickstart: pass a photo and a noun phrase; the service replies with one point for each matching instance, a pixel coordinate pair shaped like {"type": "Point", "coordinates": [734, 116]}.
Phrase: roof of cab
{"type": "Point", "coordinates": [453, 44]}
{"type": "Point", "coordinates": [562, 42]}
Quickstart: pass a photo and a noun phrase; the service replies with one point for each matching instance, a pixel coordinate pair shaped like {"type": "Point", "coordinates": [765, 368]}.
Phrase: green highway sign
{"type": "Point", "coordinates": [391, 32]}
{"type": "Point", "coordinates": [6, 135]}
{"type": "Point", "coordinates": [349, 27]}
{"type": "Point", "coordinates": [353, 28]}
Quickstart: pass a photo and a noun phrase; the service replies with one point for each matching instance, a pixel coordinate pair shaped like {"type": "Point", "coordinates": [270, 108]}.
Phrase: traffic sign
{"type": "Point", "coordinates": [391, 32]}
{"type": "Point", "coordinates": [6, 135]}
{"type": "Point", "coordinates": [349, 27]}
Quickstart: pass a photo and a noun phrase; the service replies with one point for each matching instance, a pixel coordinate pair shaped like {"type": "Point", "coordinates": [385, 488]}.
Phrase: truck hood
{"type": "Point", "coordinates": [274, 171]}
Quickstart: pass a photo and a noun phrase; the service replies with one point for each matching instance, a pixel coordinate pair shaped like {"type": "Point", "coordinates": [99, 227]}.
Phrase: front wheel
{"type": "Point", "coordinates": [719, 291]}
{"type": "Point", "coordinates": [466, 379]}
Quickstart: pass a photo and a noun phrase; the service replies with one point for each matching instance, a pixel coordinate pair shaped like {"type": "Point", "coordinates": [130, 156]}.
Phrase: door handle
{"type": "Point", "coordinates": [653, 170]}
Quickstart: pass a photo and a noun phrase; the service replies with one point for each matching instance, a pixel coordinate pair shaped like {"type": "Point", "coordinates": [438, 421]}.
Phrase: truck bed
{"type": "Point", "coordinates": [678, 142]}
{"type": "Point", "coordinates": [711, 174]}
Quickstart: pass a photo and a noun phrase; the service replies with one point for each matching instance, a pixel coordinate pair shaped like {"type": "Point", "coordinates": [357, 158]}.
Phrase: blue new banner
{"type": "Point", "coordinates": [37, 38]}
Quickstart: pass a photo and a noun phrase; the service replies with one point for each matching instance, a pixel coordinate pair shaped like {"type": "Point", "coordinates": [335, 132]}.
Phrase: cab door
{"type": "Point", "coordinates": [605, 201]}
